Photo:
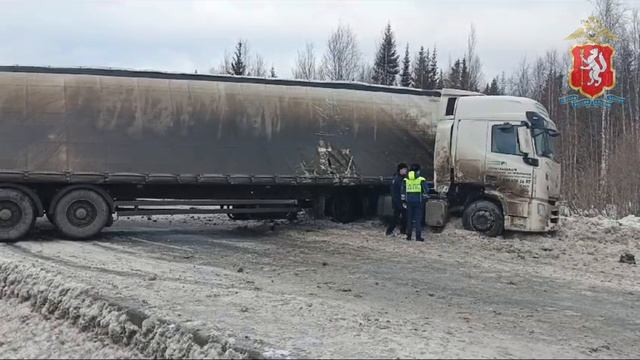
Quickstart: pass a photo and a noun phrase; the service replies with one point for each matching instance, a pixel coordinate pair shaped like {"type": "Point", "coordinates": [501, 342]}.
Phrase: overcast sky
{"type": "Point", "coordinates": [193, 35]}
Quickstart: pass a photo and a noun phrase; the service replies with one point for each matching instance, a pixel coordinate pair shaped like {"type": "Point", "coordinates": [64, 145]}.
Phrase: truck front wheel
{"type": "Point", "coordinates": [81, 214]}
{"type": "Point", "coordinates": [485, 217]}
{"type": "Point", "coordinates": [17, 214]}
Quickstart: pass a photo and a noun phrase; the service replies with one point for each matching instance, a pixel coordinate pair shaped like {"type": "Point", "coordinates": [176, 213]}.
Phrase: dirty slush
{"type": "Point", "coordinates": [191, 286]}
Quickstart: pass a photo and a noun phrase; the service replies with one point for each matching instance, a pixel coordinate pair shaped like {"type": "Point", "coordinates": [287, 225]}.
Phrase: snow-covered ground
{"type": "Point", "coordinates": [320, 289]}
{"type": "Point", "coordinates": [28, 335]}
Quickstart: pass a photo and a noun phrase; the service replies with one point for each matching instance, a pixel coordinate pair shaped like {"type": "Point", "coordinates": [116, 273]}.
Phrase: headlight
{"type": "Point", "coordinates": [542, 210]}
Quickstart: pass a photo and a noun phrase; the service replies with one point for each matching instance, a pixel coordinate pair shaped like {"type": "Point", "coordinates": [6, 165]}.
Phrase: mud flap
{"type": "Point", "coordinates": [437, 213]}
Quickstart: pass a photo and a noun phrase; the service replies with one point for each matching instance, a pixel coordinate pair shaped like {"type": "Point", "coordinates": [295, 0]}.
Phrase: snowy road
{"type": "Point", "coordinates": [319, 289]}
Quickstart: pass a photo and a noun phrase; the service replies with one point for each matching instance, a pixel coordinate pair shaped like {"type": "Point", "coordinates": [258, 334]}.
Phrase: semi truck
{"type": "Point", "coordinates": [84, 145]}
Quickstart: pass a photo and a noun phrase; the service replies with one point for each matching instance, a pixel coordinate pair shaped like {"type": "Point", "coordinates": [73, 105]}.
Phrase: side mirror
{"type": "Point", "coordinates": [524, 140]}
{"type": "Point", "coordinates": [526, 147]}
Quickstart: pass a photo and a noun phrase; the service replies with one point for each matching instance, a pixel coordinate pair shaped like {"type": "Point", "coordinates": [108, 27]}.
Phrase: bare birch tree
{"type": "Point", "coordinates": [305, 67]}
{"type": "Point", "coordinates": [341, 59]}
{"type": "Point", "coordinates": [257, 67]}
{"type": "Point", "coordinates": [365, 73]}
{"type": "Point", "coordinates": [473, 62]}
{"type": "Point", "coordinates": [520, 82]}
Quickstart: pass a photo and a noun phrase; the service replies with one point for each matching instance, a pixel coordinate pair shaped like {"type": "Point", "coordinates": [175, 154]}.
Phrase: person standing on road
{"type": "Point", "coordinates": [399, 212]}
{"type": "Point", "coordinates": [414, 192]}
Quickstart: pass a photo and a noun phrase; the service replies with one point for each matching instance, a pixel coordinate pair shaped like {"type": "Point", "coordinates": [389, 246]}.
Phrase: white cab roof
{"type": "Point", "coordinates": [497, 107]}
{"type": "Point", "coordinates": [456, 92]}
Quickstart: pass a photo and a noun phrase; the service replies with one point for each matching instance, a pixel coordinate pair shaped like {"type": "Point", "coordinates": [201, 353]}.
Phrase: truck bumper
{"type": "Point", "coordinates": [543, 216]}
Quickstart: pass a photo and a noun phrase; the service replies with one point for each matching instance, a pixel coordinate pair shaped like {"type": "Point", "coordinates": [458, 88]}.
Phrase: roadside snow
{"type": "Point", "coordinates": [57, 297]}
{"type": "Point", "coordinates": [27, 335]}
{"type": "Point", "coordinates": [631, 221]}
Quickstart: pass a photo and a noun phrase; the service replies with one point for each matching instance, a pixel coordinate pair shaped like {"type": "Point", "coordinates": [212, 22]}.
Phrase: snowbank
{"type": "Point", "coordinates": [53, 296]}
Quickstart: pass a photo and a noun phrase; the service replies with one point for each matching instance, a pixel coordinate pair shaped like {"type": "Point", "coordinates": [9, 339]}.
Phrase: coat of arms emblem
{"type": "Point", "coordinates": [592, 72]}
{"type": "Point", "coordinates": [592, 67]}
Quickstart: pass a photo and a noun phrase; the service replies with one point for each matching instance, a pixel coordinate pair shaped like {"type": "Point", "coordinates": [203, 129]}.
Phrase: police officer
{"type": "Point", "coordinates": [399, 212]}
{"type": "Point", "coordinates": [414, 192]}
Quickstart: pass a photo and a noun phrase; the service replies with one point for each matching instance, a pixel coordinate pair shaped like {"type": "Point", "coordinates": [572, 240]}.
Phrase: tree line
{"type": "Point", "coordinates": [599, 148]}
{"type": "Point", "coordinates": [243, 63]}
{"type": "Point", "coordinates": [342, 60]}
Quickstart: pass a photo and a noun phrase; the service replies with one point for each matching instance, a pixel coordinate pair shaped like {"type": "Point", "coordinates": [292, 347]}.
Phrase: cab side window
{"type": "Point", "coordinates": [504, 140]}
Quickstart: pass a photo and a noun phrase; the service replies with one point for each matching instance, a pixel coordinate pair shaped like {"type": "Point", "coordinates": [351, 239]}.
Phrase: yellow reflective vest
{"type": "Point", "coordinates": [414, 186]}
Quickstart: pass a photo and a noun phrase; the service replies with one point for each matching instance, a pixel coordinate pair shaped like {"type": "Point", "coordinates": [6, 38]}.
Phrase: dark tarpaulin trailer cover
{"type": "Point", "coordinates": [112, 125]}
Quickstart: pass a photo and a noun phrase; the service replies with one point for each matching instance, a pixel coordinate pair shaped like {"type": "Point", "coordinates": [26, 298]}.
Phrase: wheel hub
{"type": "Point", "coordinates": [81, 213]}
{"type": "Point", "coordinates": [482, 220]}
{"type": "Point", "coordinates": [10, 214]}
{"type": "Point", "coordinates": [5, 214]}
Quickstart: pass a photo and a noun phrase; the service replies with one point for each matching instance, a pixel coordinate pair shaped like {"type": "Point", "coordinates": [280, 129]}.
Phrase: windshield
{"type": "Point", "coordinates": [545, 140]}
{"type": "Point", "coordinates": [543, 134]}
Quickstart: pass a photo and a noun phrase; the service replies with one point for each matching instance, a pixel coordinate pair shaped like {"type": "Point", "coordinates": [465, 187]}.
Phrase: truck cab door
{"type": "Point", "coordinates": [469, 151]}
{"type": "Point", "coordinates": [510, 165]}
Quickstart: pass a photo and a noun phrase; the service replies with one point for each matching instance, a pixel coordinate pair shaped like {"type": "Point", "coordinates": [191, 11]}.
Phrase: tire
{"type": "Point", "coordinates": [81, 214]}
{"type": "Point", "coordinates": [110, 221]}
{"type": "Point", "coordinates": [49, 217]}
{"type": "Point", "coordinates": [485, 217]}
{"type": "Point", "coordinates": [17, 215]}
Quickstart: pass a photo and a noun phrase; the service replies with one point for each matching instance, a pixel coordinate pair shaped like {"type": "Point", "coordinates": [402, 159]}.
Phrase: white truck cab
{"type": "Point", "coordinates": [495, 161]}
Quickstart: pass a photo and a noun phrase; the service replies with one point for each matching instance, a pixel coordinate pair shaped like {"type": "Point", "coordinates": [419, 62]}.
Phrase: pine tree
{"type": "Point", "coordinates": [239, 65]}
{"type": "Point", "coordinates": [432, 77]}
{"type": "Point", "coordinates": [421, 69]}
{"type": "Point", "coordinates": [464, 76]}
{"type": "Point", "coordinates": [454, 76]}
{"type": "Point", "coordinates": [486, 90]}
{"type": "Point", "coordinates": [440, 84]}
{"type": "Point", "coordinates": [405, 77]}
{"type": "Point", "coordinates": [272, 72]}
{"type": "Point", "coordinates": [386, 66]}
{"type": "Point", "coordinates": [494, 89]}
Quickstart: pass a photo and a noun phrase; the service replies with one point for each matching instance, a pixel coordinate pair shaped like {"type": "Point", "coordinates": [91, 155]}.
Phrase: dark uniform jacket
{"type": "Point", "coordinates": [396, 191]}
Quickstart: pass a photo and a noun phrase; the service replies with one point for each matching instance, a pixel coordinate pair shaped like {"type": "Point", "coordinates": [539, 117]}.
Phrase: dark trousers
{"type": "Point", "coordinates": [399, 218]}
{"type": "Point", "coordinates": [414, 218]}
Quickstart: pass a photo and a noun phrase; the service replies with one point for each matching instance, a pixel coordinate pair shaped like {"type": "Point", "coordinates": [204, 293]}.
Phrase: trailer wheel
{"type": "Point", "coordinates": [484, 217]}
{"type": "Point", "coordinates": [81, 214]}
{"type": "Point", "coordinates": [110, 220]}
{"type": "Point", "coordinates": [17, 214]}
